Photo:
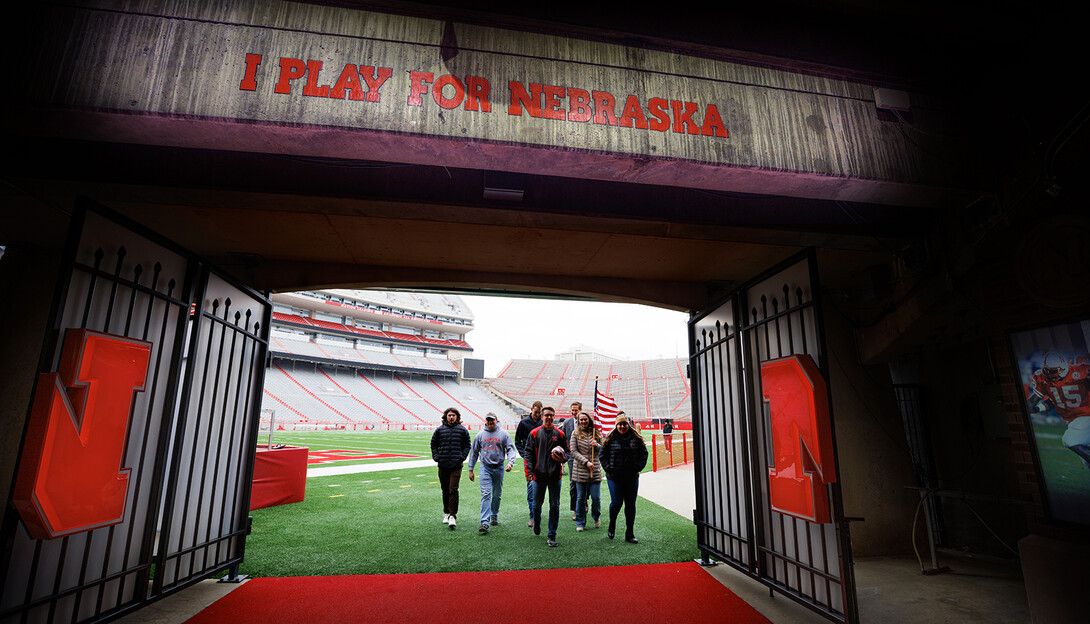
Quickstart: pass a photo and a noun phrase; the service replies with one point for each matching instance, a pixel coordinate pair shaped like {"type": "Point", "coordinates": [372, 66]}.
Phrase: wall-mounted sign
{"type": "Point", "coordinates": [365, 83]}
{"type": "Point", "coordinates": [285, 77]}
{"type": "Point", "coordinates": [70, 477]}
{"type": "Point", "coordinates": [1053, 366]}
{"type": "Point", "coordinates": [802, 441]}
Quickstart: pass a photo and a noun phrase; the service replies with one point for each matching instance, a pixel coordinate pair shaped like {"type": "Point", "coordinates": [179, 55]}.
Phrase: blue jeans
{"type": "Point", "coordinates": [582, 490]}
{"type": "Point", "coordinates": [553, 488]}
{"type": "Point", "coordinates": [530, 498]}
{"type": "Point", "coordinates": [491, 489]}
{"type": "Point", "coordinates": [623, 491]}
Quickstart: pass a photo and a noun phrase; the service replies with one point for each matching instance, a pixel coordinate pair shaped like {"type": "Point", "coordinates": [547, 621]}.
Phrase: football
{"type": "Point", "coordinates": [558, 453]}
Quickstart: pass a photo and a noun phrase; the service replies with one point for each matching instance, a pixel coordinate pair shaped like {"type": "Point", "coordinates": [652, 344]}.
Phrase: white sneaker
{"type": "Point", "coordinates": [453, 523]}
{"type": "Point", "coordinates": [446, 518]}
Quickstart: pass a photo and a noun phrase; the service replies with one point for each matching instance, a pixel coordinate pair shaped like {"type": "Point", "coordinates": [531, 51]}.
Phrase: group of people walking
{"type": "Point", "coordinates": [545, 448]}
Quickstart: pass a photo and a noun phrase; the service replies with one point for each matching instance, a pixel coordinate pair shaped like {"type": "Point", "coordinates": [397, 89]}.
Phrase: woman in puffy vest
{"type": "Point", "coordinates": [586, 471]}
{"type": "Point", "coordinates": [624, 455]}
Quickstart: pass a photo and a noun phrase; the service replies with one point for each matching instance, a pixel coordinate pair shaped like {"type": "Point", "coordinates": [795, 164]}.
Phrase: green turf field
{"type": "Point", "coordinates": [416, 443]}
{"type": "Point", "coordinates": [391, 522]}
{"type": "Point", "coordinates": [1066, 478]}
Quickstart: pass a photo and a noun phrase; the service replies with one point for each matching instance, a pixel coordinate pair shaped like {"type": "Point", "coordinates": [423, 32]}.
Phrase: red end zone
{"type": "Point", "coordinates": [332, 455]}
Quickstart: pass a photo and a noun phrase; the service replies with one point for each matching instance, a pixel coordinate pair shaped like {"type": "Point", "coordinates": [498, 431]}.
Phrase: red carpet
{"type": "Point", "coordinates": [659, 593]}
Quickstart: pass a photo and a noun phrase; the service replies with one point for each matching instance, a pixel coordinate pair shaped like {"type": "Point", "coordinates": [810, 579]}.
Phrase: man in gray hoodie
{"type": "Point", "coordinates": [495, 448]}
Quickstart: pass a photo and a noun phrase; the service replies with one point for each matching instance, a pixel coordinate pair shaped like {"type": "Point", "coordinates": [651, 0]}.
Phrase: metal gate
{"type": "Point", "coordinates": [776, 315]}
{"type": "Point", "coordinates": [189, 439]}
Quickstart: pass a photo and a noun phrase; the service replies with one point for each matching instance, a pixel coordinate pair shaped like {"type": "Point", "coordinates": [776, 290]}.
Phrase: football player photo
{"type": "Point", "coordinates": [1054, 367]}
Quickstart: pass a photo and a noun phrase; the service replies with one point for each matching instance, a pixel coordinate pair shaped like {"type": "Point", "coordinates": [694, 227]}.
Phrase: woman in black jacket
{"type": "Point", "coordinates": [624, 454]}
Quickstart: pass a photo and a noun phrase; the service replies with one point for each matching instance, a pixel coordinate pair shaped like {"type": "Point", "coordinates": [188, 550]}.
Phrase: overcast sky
{"type": "Point", "coordinates": [507, 328]}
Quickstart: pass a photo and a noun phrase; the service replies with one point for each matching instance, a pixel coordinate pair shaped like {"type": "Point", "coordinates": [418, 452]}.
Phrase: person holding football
{"type": "Point", "coordinates": [624, 455]}
{"type": "Point", "coordinates": [546, 452]}
{"type": "Point", "coordinates": [586, 471]}
{"type": "Point", "coordinates": [1065, 386]}
{"type": "Point", "coordinates": [525, 426]}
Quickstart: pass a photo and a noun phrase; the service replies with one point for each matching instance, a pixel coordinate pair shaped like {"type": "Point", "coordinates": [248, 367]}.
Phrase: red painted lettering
{"type": "Point", "coordinates": [459, 92]}
{"type": "Point", "coordinates": [802, 440]}
{"type": "Point", "coordinates": [418, 86]}
{"type": "Point", "coordinates": [70, 477]}
{"type": "Point", "coordinates": [661, 121]}
{"type": "Point", "coordinates": [603, 108]}
{"type": "Point", "coordinates": [290, 69]}
{"type": "Point", "coordinates": [350, 82]}
{"type": "Point", "coordinates": [578, 105]}
{"type": "Point", "coordinates": [683, 119]}
{"type": "Point", "coordinates": [552, 108]}
{"type": "Point", "coordinates": [633, 114]}
{"type": "Point", "coordinates": [477, 94]}
{"type": "Point", "coordinates": [712, 123]}
{"type": "Point", "coordinates": [249, 80]}
{"type": "Point", "coordinates": [375, 78]}
{"type": "Point", "coordinates": [314, 68]}
{"type": "Point", "coordinates": [520, 99]}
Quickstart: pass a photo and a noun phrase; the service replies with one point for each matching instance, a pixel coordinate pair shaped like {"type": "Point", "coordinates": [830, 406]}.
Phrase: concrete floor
{"type": "Point", "coordinates": [889, 589]}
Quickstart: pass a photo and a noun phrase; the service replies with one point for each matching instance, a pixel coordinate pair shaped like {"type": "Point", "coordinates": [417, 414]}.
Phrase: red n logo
{"type": "Point", "coordinates": [802, 440]}
{"type": "Point", "coordinates": [70, 477]}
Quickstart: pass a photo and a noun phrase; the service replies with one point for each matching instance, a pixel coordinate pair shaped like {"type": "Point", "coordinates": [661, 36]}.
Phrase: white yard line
{"type": "Point", "coordinates": [325, 471]}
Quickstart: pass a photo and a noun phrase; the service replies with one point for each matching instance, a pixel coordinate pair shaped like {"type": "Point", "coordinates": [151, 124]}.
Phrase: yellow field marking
{"type": "Point", "coordinates": [374, 490]}
{"type": "Point", "coordinates": [405, 486]}
{"type": "Point", "coordinates": [336, 495]}
{"type": "Point", "coordinates": [432, 482]}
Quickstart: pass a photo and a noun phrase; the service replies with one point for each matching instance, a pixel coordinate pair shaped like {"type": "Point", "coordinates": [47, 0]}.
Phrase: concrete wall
{"type": "Point", "coordinates": [28, 277]}
{"type": "Point", "coordinates": [871, 449]}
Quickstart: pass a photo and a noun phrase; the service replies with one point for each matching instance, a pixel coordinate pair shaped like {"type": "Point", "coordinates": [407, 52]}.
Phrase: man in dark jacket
{"type": "Point", "coordinates": [526, 425]}
{"type": "Point", "coordinates": [545, 470]}
{"type": "Point", "coordinates": [449, 448]}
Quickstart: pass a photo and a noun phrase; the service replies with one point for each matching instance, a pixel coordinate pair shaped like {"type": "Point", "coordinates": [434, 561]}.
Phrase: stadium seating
{"type": "Point", "coordinates": [644, 389]}
{"type": "Point", "coordinates": [298, 320]}
{"type": "Point", "coordinates": [305, 393]}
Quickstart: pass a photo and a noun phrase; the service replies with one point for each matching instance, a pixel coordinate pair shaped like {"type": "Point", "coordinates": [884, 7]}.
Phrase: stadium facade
{"type": "Point", "coordinates": [889, 197]}
{"type": "Point", "coordinates": [367, 359]}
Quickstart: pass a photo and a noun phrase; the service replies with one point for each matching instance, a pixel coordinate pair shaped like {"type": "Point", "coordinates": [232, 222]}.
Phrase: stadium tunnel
{"type": "Point", "coordinates": [934, 238]}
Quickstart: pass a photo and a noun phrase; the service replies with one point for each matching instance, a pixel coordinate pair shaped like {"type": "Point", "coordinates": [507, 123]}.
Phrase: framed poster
{"type": "Point", "coordinates": [1053, 365]}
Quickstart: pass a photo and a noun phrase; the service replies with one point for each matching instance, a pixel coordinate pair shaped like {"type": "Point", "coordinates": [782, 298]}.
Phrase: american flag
{"type": "Point", "coordinates": [606, 409]}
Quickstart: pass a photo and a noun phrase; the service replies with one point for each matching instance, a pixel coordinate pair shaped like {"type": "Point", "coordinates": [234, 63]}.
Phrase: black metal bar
{"type": "Point", "coordinates": [38, 602]}
{"type": "Point", "coordinates": [696, 388]}
{"type": "Point", "coordinates": [112, 298]}
{"type": "Point", "coordinates": [844, 547]}
{"type": "Point", "coordinates": [94, 271]}
{"type": "Point", "coordinates": [257, 377]}
{"type": "Point", "coordinates": [198, 426]}
{"type": "Point", "coordinates": [137, 271]}
{"type": "Point", "coordinates": [208, 453]}
{"type": "Point", "coordinates": [230, 440]}
{"type": "Point", "coordinates": [250, 402]}
{"type": "Point", "coordinates": [182, 424]}
{"type": "Point", "coordinates": [755, 529]}
{"type": "Point", "coordinates": [713, 374]}
{"type": "Point", "coordinates": [99, 253]}
{"type": "Point", "coordinates": [152, 393]}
